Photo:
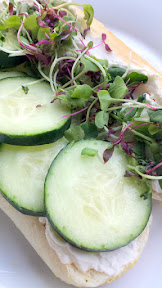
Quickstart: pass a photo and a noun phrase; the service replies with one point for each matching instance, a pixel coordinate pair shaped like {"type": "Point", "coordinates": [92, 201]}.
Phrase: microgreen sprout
{"type": "Point", "coordinates": [138, 170]}
{"type": "Point", "coordinates": [75, 113]}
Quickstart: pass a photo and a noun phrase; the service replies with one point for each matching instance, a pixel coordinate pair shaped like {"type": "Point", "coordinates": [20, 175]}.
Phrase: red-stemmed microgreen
{"type": "Point", "coordinates": [153, 168]}
{"type": "Point", "coordinates": [127, 82]}
{"type": "Point", "coordinates": [129, 111]}
{"type": "Point", "coordinates": [122, 134]}
{"type": "Point", "coordinates": [75, 113]}
{"type": "Point", "coordinates": [140, 171]}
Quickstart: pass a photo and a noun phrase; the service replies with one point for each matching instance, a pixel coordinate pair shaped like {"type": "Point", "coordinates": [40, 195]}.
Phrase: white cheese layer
{"type": "Point", "coordinates": [110, 263]}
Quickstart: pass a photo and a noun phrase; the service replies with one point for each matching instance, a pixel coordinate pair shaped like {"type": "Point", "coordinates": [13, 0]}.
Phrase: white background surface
{"type": "Point", "coordinates": [139, 24]}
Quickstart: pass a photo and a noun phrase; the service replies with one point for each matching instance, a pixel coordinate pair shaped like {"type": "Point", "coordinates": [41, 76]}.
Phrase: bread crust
{"type": "Point", "coordinates": [34, 231]}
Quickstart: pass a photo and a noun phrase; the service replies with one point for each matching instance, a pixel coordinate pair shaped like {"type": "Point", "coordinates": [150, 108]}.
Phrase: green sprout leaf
{"type": "Point", "coordinates": [53, 36]}
{"type": "Point", "coordinates": [136, 78]}
{"type": "Point", "coordinates": [130, 115]}
{"type": "Point", "coordinates": [88, 13]}
{"type": "Point", "coordinates": [31, 23]}
{"type": "Point", "coordinates": [41, 33]}
{"type": "Point", "coordinates": [101, 119]}
{"type": "Point", "coordinates": [118, 89]}
{"type": "Point", "coordinates": [72, 102]}
{"type": "Point", "coordinates": [74, 133]}
{"type": "Point", "coordinates": [11, 22]}
{"type": "Point", "coordinates": [153, 129]}
{"type": "Point", "coordinates": [115, 71]}
{"type": "Point", "coordinates": [139, 150]}
{"type": "Point", "coordinates": [155, 116]}
{"type": "Point", "coordinates": [90, 44]}
{"type": "Point", "coordinates": [89, 152]}
{"type": "Point", "coordinates": [105, 99]}
{"type": "Point", "coordinates": [82, 92]}
{"type": "Point", "coordinates": [89, 65]}
{"type": "Point", "coordinates": [90, 130]}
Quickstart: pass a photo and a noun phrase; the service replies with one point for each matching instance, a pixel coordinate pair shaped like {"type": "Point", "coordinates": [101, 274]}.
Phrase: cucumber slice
{"type": "Point", "coordinates": [21, 122]}
{"type": "Point", "coordinates": [9, 62]}
{"type": "Point", "coordinates": [91, 204]}
{"type": "Point", "coordinates": [22, 175]}
{"type": "Point", "coordinates": [10, 43]}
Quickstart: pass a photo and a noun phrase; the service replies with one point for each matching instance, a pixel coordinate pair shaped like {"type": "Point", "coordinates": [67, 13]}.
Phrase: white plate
{"type": "Point", "coordinates": [139, 24]}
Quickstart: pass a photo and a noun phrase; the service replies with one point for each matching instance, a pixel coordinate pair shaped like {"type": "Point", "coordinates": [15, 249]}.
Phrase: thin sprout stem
{"type": "Point", "coordinates": [136, 105]}
{"type": "Point", "coordinates": [71, 87]}
{"type": "Point", "coordinates": [115, 117]}
{"type": "Point", "coordinates": [137, 168]}
{"type": "Point", "coordinates": [132, 101]}
{"type": "Point", "coordinates": [51, 73]}
{"type": "Point", "coordinates": [42, 73]}
{"type": "Point", "coordinates": [74, 65]}
{"type": "Point", "coordinates": [153, 168]}
{"type": "Point", "coordinates": [73, 51]}
{"type": "Point", "coordinates": [141, 135]}
{"type": "Point", "coordinates": [56, 60]}
{"type": "Point", "coordinates": [113, 128]}
{"type": "Point", "coordinates": [106, 129]}
{"type": "Point", "coordinates": [117, 107]}
{"type": "Point", "coordinates": [54, 79]}
{"type": "Point", "coordinates": [117, 128]}
{"type": "Point", "coordinates": [76, 47]}
{"type": "Point", "coordinates": [113, 136]}
{"type": "Point", "coordinates": [29, 38]}
{"type": "Point", "coordinates": [90, 107]}
{"type": "Point", "coordinates": [12, 52]}
{"type": "Point", "coordinates": [75, 78]}
{"type": "Point", "coordinates": [17, 55]}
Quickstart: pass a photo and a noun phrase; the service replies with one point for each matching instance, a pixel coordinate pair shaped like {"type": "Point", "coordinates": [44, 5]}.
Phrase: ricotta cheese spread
{"type": "Point", "coordinates": [107, 262]}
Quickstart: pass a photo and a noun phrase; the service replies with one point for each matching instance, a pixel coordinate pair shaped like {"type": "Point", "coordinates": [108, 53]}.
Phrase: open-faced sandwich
{"type": "Point", "coordinates": [80, 133]}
